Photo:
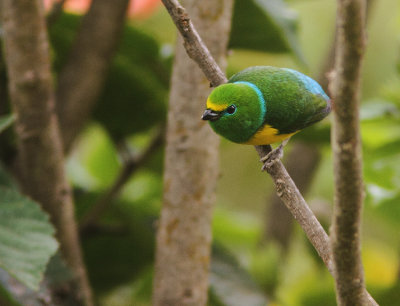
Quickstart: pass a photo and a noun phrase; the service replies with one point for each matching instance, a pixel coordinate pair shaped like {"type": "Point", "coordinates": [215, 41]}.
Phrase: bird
{"type": "Point", "coordinates": [262, 105]}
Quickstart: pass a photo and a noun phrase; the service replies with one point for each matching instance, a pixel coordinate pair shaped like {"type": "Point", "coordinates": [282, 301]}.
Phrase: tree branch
{"type": "Point", "coordinates": [294, 201]}
{"type": "Point", "coordinates": [194, 46]}
{"type": "Point", "coordinates": [346, 223]}
{"type": "Point", "coordinates": [301, 164]}
{"type": "Point", "coordinates": [286, 189]}
{"type": "Point", "coordinates": [40, 155]}
{"type": "Point", "coordinates": [129, 168]}
{"type": "Point", "coordinates": [184, 233]}
{"type": "Point", "coordinates": [83, 76]}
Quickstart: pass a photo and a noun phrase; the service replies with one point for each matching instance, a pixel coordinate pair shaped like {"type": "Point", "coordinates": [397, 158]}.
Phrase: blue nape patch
{"type": "Point", "coordinates": [309, 83]}
{"type": "Point", "coordinates": [260, 98]}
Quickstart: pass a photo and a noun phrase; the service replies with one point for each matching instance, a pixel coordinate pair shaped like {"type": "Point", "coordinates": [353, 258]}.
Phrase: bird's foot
{"type": "Point", "coordinates": [273, 156]}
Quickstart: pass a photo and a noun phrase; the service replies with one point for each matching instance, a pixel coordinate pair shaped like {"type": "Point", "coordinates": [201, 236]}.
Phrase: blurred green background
{"type": "Point", "coordinates": [119, 252]}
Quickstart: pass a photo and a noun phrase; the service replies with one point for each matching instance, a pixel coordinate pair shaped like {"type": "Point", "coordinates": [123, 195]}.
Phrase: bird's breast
{"type": "Point", "coordinates": [267, 135]}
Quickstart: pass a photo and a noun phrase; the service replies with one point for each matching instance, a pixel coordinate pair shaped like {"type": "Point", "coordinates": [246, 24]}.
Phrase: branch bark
{"type": "Point", "coordinates": [40, 158]}
{"type": "Point", "coordinates": [346, 223]}
{"type": "Point", "coordinates": [193, 43]}
{"type": "Point", "coordinates": [191, 161]}
{"type": "Point", "coordinates": [302, 159]}
{"type": "Point", "coordinates": [82, 77]}
{"type": "Point", "coordinates": [301, 164]}
{"type": "Point", "coordinates": [294, 201]}
{"type": "Point", "coordinates": [286, 189]}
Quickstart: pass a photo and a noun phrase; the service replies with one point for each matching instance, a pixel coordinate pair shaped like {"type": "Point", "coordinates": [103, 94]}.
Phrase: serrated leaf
{"type": "Point", "coordinates": [6, 121]}
{"type": "Point", "coordinates": [26, 238]}
{"type": "Point", "coordinates": [230, 284]}
{"type": "Point", "coordinates": [265, 25]}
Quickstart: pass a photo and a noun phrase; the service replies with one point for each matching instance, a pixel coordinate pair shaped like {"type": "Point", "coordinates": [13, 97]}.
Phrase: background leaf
{"type": "Point", "coordinates": [230, 284]}
{"type": "Point", "coordinates": [26, 238]}
{"type": "Point", "coordinates": [264, 25]}
{"type": "Point", "coordinates": [135, 91]}
{"type": "Point", "coordinates": [6, 121]}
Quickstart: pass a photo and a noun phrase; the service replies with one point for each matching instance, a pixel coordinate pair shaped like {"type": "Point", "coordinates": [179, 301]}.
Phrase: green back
{"type": "Point", "coordinates": [293, 101]}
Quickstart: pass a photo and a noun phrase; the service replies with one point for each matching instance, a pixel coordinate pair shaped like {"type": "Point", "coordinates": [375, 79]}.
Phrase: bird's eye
{"type": "Point", "coordinates": [231, 109]}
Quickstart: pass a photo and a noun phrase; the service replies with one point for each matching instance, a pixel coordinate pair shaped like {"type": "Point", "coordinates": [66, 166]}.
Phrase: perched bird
{"type": "Point", "coordinates": [262, 105]}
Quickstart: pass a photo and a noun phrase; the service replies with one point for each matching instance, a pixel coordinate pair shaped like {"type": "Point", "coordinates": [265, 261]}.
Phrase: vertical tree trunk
{"type": "Point", "coordinates": [191, 168]}
{"type": "Point", "coordinates": [40, 158]}
{"type": "Point", "coordinates": [346, 224]}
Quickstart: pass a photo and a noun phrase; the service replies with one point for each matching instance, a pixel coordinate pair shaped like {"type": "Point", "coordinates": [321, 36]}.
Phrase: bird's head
{"type": "Point", "coordinates": [235, 110]}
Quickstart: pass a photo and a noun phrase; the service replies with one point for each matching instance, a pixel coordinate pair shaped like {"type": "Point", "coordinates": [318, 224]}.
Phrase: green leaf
{"type": "Point", "coordinates": [378, 110]}
{"type": "Point", "coordinates": [265, 25]}
{"type": "Point", "coordinates": [386, 206]}
{"type": "Point", "coordinates": [135, 90]}
{"type": "Point", "coordinates": [387, 150]}
{"type": "Point", "coordinates": [6, 121]}
{"type": "Point", "coordinates": [26, 238]}
{"type": "Point", "coordinates": [231, 285]}
{"type": "Point", "coordinates": [123, 244]}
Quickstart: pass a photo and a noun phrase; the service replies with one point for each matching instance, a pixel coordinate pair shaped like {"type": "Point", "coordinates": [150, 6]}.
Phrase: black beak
{"type": "Point", "coordinates": [211, 115]}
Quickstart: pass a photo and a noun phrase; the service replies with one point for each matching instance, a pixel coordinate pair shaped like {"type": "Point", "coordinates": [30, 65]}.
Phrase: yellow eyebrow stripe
{"type": "Point", "coordinates": [216, 107]}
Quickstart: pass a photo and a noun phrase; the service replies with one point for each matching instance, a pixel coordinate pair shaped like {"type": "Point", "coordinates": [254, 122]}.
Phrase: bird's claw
{"type": "Point", "coordinates": [272, 157]}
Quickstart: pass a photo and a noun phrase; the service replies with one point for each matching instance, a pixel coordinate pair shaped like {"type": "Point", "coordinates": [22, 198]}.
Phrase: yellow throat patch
{"type": "Point", "coordinates": [267, 135]}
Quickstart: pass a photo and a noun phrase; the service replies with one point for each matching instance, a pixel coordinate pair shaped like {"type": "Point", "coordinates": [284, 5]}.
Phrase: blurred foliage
{"type": "Point", "coordinates": [119, 247]}
{"type": "Point", "coordinates": [134, 95]}
{"type": "Point", "coordinates": [6, 121]}
{"type": "Point", "coordinates": [296, 277]}
{"type": "Point", "coordinates": [230, 284]}
{"type": "Point", "coordinates": [264, 25]}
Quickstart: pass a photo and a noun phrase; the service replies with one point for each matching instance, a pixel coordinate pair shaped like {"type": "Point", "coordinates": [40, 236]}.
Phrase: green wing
{"type": "Point", "coordinates": [293, 100]}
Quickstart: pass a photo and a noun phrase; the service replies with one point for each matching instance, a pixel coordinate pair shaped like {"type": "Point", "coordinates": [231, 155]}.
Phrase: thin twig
{"type": "Point", "coordinates": [301, 164]}
{"type": "Point", "coordinates": [286, 189]}
{"type": "Point", "coordinates": [346, 145]}
{"type": "Point", "coordinates": [294, 201]}
{"type": "Point", "coordinates": [194, 46]}
{"type": "Point", "coordinates": [130, 167]}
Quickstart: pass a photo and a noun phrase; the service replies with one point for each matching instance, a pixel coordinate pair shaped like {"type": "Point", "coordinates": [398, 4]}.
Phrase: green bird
{"type": "Point", "coordinates": [262, 105]}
